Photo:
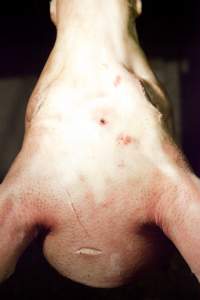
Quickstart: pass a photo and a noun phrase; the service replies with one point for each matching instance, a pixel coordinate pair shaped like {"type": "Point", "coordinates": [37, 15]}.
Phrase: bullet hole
{"type": "Point", "coordinates": [103, 121]}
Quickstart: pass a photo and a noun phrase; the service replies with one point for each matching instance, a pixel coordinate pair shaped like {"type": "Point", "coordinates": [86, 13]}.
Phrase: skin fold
{"type": "Point", "coordinates": [98, 167]}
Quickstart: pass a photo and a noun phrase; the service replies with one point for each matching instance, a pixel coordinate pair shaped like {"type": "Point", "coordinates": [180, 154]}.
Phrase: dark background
{"type": "Point", "coordinates": [168, 29]}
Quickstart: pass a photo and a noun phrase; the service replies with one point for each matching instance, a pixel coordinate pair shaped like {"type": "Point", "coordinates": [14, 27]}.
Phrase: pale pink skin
{"type": "Point", "coordinates": [97, 163]}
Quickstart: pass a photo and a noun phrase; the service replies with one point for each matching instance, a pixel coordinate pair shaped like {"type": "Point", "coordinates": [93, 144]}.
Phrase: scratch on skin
{"type": "Point", "coordinates": [76, 214]}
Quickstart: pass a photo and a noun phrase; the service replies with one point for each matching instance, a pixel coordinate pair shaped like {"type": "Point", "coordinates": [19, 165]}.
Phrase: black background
{"type": "Point", "coordinates": [168, 29]}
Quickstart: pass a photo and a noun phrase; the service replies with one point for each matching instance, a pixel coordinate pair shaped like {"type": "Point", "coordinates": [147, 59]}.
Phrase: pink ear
{"type": "Point", "coordinates": [179, 218]}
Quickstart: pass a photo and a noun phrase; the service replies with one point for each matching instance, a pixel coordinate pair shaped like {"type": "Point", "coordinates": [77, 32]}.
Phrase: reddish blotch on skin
{"type": "Point", "coordinates": [7, 210]}
{"type": "Point", "coordinates": [117, 81]}
{"type": "Point", "coordinates": [124, 139]}
{"type": "Point", "coordinates": [89, 196]}
{"type": "Point", "coordinates": [82, 178]}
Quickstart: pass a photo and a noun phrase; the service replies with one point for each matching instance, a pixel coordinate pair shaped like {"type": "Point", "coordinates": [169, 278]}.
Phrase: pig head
{"type": "Point", "coordinates": [98, 161]}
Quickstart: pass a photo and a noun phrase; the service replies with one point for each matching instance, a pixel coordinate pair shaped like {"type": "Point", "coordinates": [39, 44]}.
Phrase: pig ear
{"type": "Point", "coordinates": [179, 218]}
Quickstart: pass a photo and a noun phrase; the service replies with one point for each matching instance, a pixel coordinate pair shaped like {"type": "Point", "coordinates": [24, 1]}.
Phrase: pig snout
{"type": "Point", "coordinates": [98, 168]}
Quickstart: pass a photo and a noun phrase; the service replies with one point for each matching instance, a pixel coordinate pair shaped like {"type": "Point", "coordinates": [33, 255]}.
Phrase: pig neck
{"type": "Point", "coordinates": [91, 36]}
